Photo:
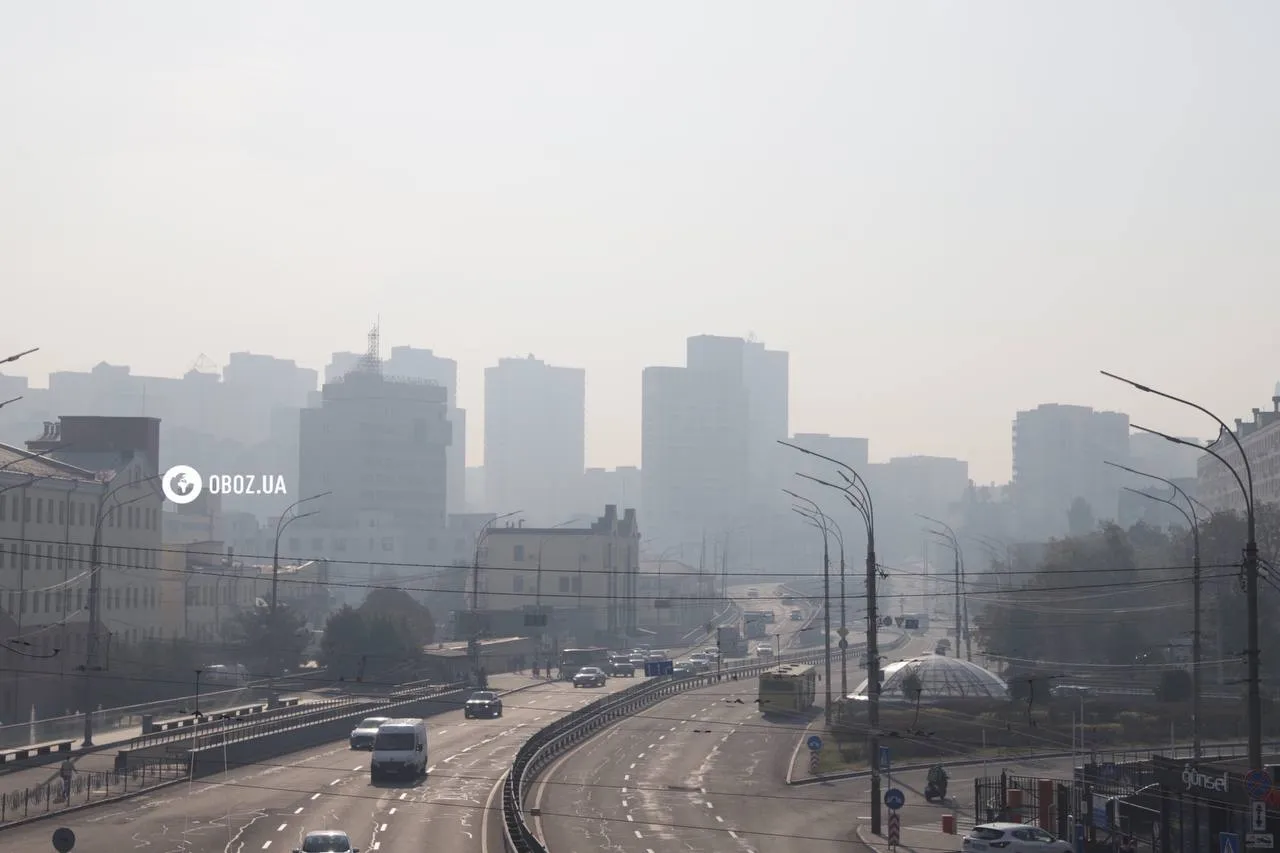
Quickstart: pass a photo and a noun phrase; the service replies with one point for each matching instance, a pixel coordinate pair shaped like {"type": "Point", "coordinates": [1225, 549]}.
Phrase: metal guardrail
{"type": "Point", "coordinates": [545, 746]}
{"type": "Point", "coordinates": [271, 716]}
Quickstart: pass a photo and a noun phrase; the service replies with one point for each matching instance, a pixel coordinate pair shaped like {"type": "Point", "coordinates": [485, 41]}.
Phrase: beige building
{"type": "Point", "coordinates": [49, 513]}
{"type": "Point", "coordinates": [587, 576]}
{"type": "Point", "coordinates": [1217, 488]}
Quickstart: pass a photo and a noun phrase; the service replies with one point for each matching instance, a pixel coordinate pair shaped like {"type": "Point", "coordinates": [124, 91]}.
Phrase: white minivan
{"type": "Point", "coordinates": [399, 749]}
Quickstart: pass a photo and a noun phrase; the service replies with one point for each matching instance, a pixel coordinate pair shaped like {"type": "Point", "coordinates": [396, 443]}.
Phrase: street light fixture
{"type": "Point", "coordinates": [962, 593]}
{"type": "Point", "coordinates": [844, 629]}
{"type": "Point", "coordinates": [858, 494]}
{"type": "Point", "coordinates": [1193, 521]}
{"type": "Point", "coordinates": [826, 594]}
{"type": "Point", "coordinates": [475, 566]}
{"type": "Point", "coordinates": [1252, 652]}
{"type": "Point", "coordinates": [281, 524]}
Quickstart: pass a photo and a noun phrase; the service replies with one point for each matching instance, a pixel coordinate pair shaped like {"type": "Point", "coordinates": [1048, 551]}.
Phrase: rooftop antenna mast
{"type": "Point", "coordinates": [372, 361]}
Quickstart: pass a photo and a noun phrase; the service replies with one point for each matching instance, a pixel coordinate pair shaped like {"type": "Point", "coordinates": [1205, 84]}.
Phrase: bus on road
{"type": "Point", "coordinates": [572, 660]}
{"type": "Point", "coordinates": [788, 689]}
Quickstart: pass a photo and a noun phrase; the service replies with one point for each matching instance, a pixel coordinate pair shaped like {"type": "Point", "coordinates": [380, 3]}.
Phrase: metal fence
{"type": "Point", "coordinates": [88, 787]}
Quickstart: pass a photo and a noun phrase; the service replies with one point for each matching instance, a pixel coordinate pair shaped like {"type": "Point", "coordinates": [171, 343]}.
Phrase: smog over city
{"type": "Point", "coordinates": [513, 427]}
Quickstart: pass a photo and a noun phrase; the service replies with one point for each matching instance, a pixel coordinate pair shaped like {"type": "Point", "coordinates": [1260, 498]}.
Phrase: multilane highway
{"type": "Point", "coordinates": [705, 772]}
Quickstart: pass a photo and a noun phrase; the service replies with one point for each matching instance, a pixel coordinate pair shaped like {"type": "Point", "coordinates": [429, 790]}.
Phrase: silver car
{"type": "Point", "coordinates": [362, 735]}
{"type": "Point", "coordinates": [328, 841]}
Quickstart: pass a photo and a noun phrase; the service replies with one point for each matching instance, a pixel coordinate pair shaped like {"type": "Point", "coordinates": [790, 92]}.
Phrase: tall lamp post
{"type": "Point", "coordinates": [281, 524]}
{"type": "Point", "coordinates": [1194, 523]}
{"type": "Point", "coordinates": [826, 593]}
{"type": "Point", "coordinates": [962, 595]}
{"type": "Point", "coordinates": [1253, 652]}
{"type": "Point", "coordinates": [858, 495]}
{"type": "Point", "coordinates": [475, 565]}
{"type": "Point", "coordinates": [844, 627]}
{"type": "Point", "coordinates": [91, 664]}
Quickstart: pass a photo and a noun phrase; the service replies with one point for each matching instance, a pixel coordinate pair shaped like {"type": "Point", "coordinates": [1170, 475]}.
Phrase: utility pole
{"type": "Point", "coordinates": [873, 683]}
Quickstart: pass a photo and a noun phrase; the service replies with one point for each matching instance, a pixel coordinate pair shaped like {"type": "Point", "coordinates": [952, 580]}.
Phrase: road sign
{"type": "Point", "coordinates": [814, 743]}
{"type": "Point", "coordinates": [844, 644]}
{"type": "Point", "coordinates": [1258, 816]}
{"type": "Point", "coordinates": [1229, 842]}
{"type": "Point", "coordinates": [1260, 840]}
{"type": "Point", "coordinates": [813, 762]}
{"type": "Point", "coordinates": [655, 668]}
{"type": "Point", "coordinates": [63, 840]}
{"type": "Point", "coordinates": [895, 799]}
{"type": "Point", "coordinates": [1258, 784]}
{"type": "Point", "coordinates": [895, 829]}
{"type": "Point", "coordinates": [843, 632]}
{"type": "Point", "coordinates": [884, 759]}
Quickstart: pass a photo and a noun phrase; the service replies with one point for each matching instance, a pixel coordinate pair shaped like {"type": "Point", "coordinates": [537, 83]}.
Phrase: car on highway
{"type": "Point", "coordinates": [620, 666]}
{"type": "Point", "coordinates": [696, 665]}
{"type": "Point", "coordinates": [700, 657]}
{"type": "Point", "coordinates": [326, 841]}
{"type": "Point", "coordinates": [483, 703]}
{"type": "Point", "coordinates": [362, 735]}
{"type": "Point", "coordinates": [712, 653]}
{"type": "Point", "coordinates": [638, 660]}
{"type": "Point", "coordinates": [1012, 838]}
{"type": "Point", "coordinates": [589, 676]}
{"type": "Point", "coordinates": [683, 668]}
{"type": "Point", "coordinates": [659, 654]}
{"type": "Point", "coordinates": [796, 616]}
{"type": "Point", "coordinates": [764, 652]}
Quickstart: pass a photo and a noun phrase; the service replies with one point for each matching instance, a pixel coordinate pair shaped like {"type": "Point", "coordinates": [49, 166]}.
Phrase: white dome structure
{"type": "Point", "coordinates": [941, 678]}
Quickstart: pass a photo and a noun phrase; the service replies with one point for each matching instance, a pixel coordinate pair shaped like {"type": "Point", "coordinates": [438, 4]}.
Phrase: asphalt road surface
{"type": "Point", "coordinates": [703, 773]}
{"type": "Point", "coordinates": [270, 806]}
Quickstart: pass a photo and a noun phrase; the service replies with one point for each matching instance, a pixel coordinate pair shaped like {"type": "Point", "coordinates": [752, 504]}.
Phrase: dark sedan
{"type": "Point", "coordinates": [589, 676]}
{"type": "Point", "coordinates": [483, 703]}
{"type": "Point", "coordinates": [621, 667]}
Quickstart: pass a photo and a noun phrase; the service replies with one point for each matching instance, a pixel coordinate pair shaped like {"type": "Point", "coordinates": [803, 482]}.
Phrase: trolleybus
{"type": "Point", "coordinates": [788, 689]}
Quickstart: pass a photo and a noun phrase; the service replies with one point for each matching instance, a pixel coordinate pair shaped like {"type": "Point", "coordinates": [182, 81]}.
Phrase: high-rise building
{"type": "Point", "coordinates": [415, 363]}
{"type": "Point", "coordinates": [710, 463]}
{"type": "Point", "coordinates": [534, 438]}
{"type": "Point", "coordinates": [1058, 456]}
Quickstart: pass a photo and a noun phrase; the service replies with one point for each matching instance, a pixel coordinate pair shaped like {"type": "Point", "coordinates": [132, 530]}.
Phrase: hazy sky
{"type": "Point", "coordinates": [946, 211]}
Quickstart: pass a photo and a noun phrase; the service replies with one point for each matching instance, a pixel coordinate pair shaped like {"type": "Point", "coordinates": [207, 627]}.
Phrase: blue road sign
{"type": "Point", "coordinates": [814, 742]}
{"type": "Point", "coordinates": [659, 667]}
{"type": "Point", "coordinates": [1230, 842]}
{"type": "Point", "coordinates": [884, 759]}
{"type": "Point", "coordinates": [1258, 783]}
{"type": "Point", "coordinates": [894, 799]}
{"type": "Point", "coordinates": [844, 644]}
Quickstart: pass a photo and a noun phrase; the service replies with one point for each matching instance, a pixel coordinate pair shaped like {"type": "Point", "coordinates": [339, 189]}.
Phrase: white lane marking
{"type": "Point", "coordinates": [451, 758]}
{"type": "Point", "coordinates": [402, 796]}
{"type": "Point", "coordinates": [358, 767]}
{"type": "Point", "coordinates": [630, 818]}
{"type": "Point", "coordinates": [334, 782]}
{"type": "Point", "coordinates": [708, 805]}
{"type": "Point", "coordinates": [719, 819]}
{"type": "Point", "coordinates": [652, 745]}
{"type": "Point", "coordinates": [633, 766]}
{"type": "Point", "coordinates": [662, 737]}
{"type": "Point", "coordinates": [638, 835]}
{"type": "Point", "coordinates": [626, 777]}
{"type": "Point", "coordinates": [315, 796]}
{"type": "Point", "coordinates": [281, 827]}
{"type": "Point", "coordinates": [442, 731]}
{"type": "Point", "coordinates": [535, 719]}
{"type": "Point", "coordinates": [266, 845]}
{"type": "Point", "coordinates": [733, 834]}
{"type": "Point", "coordinates": [393, 811]}
{"type": "Point", "coordinates": [298, 810]}
{"type": "Point", "coordinates": [383, 828]}
{"type": "Point", "coordinates": [431, 768]}
{"type": "Point", "coordinates": [377, 845]}
{"type": "Point", "coordinates": [641, 755]}
{"type": "Point", "coordinates": [673, 728]}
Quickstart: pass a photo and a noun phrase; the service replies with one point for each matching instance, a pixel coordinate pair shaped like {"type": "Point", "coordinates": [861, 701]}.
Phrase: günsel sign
{"type": "Point", "coordinates": [1196, 780]}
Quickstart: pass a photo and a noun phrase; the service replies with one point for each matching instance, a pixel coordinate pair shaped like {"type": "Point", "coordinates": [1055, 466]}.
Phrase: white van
{"type": "Point", "coordinates": [399, 749]}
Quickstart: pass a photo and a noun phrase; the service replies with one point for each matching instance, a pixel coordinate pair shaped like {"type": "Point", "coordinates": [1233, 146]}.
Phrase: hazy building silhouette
{"type": "Point", "coordinates": [534, 438]}
{"type": "Point", "coordinates": [1216, 486]}
{"type": "Point", "coordinates": [1058, 456]}
{"type": "Point", "coordinates": [710, 464]}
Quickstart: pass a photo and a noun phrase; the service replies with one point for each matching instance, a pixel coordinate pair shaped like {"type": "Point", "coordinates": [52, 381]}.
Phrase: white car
{"type": "Point", "coordinates": [326, 842]}
{"type": "Point", "coordinates": [1013, 838]}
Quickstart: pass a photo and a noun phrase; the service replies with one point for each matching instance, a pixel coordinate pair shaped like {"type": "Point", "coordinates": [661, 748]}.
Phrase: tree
{"type": "Point", "coordinates": [269, 641]}
{"type": "Point", "coordinates": [1175, 686]}
{"type": "Point", "coordinates": [1080, 518]}
{"type": "Point", "coordinates": [368, 645]}
{"type": "Point", "coordinates": [398, 607]}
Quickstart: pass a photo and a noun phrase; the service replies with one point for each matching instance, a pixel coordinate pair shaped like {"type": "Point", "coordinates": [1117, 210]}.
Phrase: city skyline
{"type": "Point", "coordinates": [471, 401]}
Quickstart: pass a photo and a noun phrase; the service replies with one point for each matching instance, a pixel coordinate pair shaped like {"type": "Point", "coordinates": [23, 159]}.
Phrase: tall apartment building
{"type": "Point", "coordinates": [378, 445]}
{"type": "Point", "coordinates": [1058, 456]}
{"type": "Point", "coordinates": [534, 438]}
{"type": "Point", "coordinates": [710, 463]}
{"type": "Point", "coordinates": [1217, 488]}
{"type": "Point", "coordinates": [423, 364]}
{"type": "Point", "coordinates": [92, 474]}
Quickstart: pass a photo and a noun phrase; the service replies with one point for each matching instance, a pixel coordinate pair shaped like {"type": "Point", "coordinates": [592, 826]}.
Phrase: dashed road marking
{"type": "Point", "coordinates": [641, 755]}
{"type": "Point", "coordinates": [281, 827]}
{"type": "Point", "coordinates": [393, 811]}
{"type": "Point", "coordinates": [662, 737]}
{"type": "Point", "coordinates": [652, 745]}
{"type": "Point", "coordinates": [298, 810]}
{"type": "Point", "coordinates": [638, 835]}
{"type": "Point", "coordinates": [334, 782]}
{"type": "Point", "coordinates": [708, 805]}
{"type": "Point", "coordinates": [626, 777]}
{"type": "Point", "coordinates": [315, 796]}
{"type": "Point", "coordinates": [266, 845]}
{"type": "Point", "coordinates": [630, 818]}
{"type": "Point", "coordinates": [733, 834]}
{"type": "Point", "coordinates": [431, 768]}
{"type": "Point", "coordinates": [633, 766]}
{"type": "Point", "coordinates": [377, 845]}
{"type": "Point", "coordinates": [719, 819]}
{"type": "Point", "coordinates": [382, 828]}
{"type": "Point", "coordinates": [673, 728]}
{"type": "Point", "coordinates": [405, 794]}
